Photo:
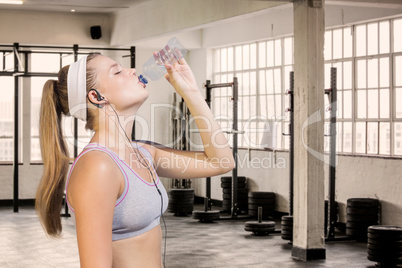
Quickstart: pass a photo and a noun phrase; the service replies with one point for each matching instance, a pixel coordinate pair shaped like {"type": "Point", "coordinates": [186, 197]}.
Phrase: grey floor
{"type": "Point", "coordinates": [189, 244]}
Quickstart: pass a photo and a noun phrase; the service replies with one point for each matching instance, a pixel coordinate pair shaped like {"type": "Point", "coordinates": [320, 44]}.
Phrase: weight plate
{"type": "Point", "coordinates": [266, 224]}
{"type": "Point", "coordinates": [363, 202]}
{"type": "Point", "coordinates": [385, 229]}
{"type": "Point", "coordinates": [362, 218]}
{"type": "Point", "coordinates": [229, 179]}
{"type": "Point", "coordinates": [362, 211]}
{"type": "Point", "coordinates": [266, 195]}
{"type": "Point", "coordinates": [261, 201]}
{"type": "Point", "coordinates": [229, 190]}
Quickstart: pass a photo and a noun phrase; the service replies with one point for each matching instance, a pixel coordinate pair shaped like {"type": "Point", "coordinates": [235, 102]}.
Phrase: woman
{"type": "Point", "coordinates": [113, 188]}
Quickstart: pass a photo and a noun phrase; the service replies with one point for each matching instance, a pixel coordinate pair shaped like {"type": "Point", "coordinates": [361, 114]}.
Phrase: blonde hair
{"type": "Point", "coordinates": [55, 155]}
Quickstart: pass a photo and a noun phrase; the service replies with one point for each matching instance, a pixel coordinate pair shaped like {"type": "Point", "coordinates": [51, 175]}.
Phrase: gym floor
{"type": "Point", "coordinates": [189, 244]}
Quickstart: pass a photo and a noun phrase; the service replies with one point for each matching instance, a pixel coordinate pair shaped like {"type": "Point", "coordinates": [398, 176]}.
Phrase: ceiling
{"type": "Point", "coordinates": [82, 6]}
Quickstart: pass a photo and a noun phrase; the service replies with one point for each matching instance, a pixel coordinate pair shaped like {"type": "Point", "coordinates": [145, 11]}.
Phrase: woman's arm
{"type": "Point", "coordinates": [93, 190]}
{"type": "Point", "coordinates": [217, 156]}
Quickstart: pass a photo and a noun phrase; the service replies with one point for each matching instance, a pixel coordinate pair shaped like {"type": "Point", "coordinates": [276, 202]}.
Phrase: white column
{"type": "Point", "coordinates": [308, 229]}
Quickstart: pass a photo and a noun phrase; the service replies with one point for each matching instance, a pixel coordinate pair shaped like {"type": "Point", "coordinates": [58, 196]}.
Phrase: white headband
{"type": "Point", "coordinates": [77, 88]}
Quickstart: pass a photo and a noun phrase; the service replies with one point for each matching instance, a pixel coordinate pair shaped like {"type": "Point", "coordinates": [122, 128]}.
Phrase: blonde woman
{"type": "Point", "coordinates": [113, 187]}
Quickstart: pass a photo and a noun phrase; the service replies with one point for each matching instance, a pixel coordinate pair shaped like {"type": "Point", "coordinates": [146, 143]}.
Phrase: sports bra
{"type": "Point", "coordinates": [138, 209]}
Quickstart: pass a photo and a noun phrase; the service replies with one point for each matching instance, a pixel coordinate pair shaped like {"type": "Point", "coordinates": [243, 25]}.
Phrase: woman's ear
{"type": "Point", "coordinates": [96, 98]}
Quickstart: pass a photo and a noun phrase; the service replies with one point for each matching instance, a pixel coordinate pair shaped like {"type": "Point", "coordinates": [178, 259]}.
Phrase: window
{"type": "Point", "coordinates": [260, 68]}
{"type": "Point", "coordinates": [7, 119]}
{"type": "Point", "coordinates": [368, 59]}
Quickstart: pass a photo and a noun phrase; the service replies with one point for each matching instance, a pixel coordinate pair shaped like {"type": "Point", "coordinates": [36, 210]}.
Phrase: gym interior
{"type": "Point", "coordinates": [306, 91]}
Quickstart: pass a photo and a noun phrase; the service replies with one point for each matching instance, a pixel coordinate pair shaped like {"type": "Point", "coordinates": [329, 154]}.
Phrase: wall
{"type": "Point", "coordinates": [52, 28]}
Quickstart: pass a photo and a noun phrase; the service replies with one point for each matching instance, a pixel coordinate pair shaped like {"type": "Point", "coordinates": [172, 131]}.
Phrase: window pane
{"type": "Point", "coordinates": [397, 35]}
{"type": "Point", "coordinates": [347, 137]}
{"type": "Point", "coordinates": [270, 81]}
{"type": "Point", "coordinates": [398, 138]}
{"type": "Point", "coordinates": [361, 40]}
{"type": "Point", "coordinates": [253, 81]}
{"type": "Point", "coordinates": [385, 142]}
{"type": "Point", "coordinates": [347, 42]}
{"type": "Point", "coordinates": [372, 103]}
{"type": "Point", "coordinates": [372, 40]}
{"type": "Point", "coordinates": [347, 75]}
{"type": "Point", "coordinates": [384, 37]}
{"type": "Point", "coordinates": [262, 55]}
{"type": "Point", "coordinates": [278, 104]}
{"type": "Point", "coordinates": [360, 137]}
{"type": "Point", "coordinates": [238, 55]}
{"type": "Point", "coordinates": [9, 59]}
{"type": "Point", "coordinates": [246, 83]}
{"type": "Point", "coordinates": [361, 104]}
{"type": "Point", "coordinates": [288, 50]}
{"type": "Point", "coordinates": [7, 118]}
{"type": "Point", "coordinates": [224, 60]}
{"type": "Point", "coordinates": [339, 104]}
{"type": "Point", "coordinates": [398, 106]}
{"type": "Point", "coordinates": [46, 63]}
{"type": "Point", "coordinates": [347, 104]}
{"type": "Point", "coordinates": [230, 59]}
{"type": "Point", "coordinates": [372, 138]}
{"type": "Point", "coordinates": [328, 45]}
{"type": "Point", "coordinates": [246, 107]}
{"type": "Point", "coordinates": [339, 137]}
{"type": "Point", "coordinates": [270, 53]}
{"type": "Point", "coordinates": [278, 81]}
{"type": "Point", "coordinates": [278, 52]}
{"type": "Point", "coordinates": [384, 72]}
{"type": "Point", "coordinates": [361, 74]}
{"type": "Point", "coordinates": [372, 69]}
{"type": "Point", "coordinates": [253, 56]}
{"type": "Point", "coordinates": [261, 82]}
{"type": "Point", "coordinates": [271, 106]}
{"type": "Point", "coordinates": [337, 43]}
{"type": "Point", "coordinates": [384, 103]}
{"type": "Point", "coordinates": [217, 60]}
{"type": "Point", "coordinates": [398, 71]}
{"type": "Point", "coordinates": [69, 59]}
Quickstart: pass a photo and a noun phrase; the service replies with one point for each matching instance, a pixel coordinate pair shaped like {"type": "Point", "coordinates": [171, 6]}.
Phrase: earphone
{"type": "Point", "coordinates": [99, 97]}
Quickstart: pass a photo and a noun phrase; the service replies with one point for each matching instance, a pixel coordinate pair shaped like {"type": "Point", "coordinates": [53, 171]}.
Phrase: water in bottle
{"type": "Point", "coordinates": [154, 68]}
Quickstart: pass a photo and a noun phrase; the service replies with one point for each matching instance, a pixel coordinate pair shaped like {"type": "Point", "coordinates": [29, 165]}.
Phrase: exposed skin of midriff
{"type": "Point", "coordinates": [143, 251]}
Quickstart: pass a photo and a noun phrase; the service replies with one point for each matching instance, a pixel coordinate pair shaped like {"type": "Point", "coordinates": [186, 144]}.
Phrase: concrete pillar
{"type": "Point", "coordinates": [308, 228]}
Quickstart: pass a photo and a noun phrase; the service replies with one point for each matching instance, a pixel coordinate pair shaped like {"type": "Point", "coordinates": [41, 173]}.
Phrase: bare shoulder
{"type": "Point", "coordinates": [95, 171]}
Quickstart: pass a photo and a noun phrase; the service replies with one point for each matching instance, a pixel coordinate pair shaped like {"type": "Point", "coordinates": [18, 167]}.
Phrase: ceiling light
{"type": "Point", "coordinates": [72, 10]}
{"type": "Point", "coordinates": [12, 2]}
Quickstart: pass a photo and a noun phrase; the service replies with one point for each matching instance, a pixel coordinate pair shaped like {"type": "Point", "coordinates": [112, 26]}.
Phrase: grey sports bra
{"type": "Point", "coordinates": [138, 209]}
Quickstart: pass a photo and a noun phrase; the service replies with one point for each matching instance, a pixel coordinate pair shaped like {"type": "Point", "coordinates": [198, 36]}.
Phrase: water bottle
{"type": "Point", "coordinates": [154, 68]}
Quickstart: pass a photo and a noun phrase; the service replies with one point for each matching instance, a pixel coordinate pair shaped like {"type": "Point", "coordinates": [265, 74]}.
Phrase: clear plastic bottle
{"type": "Point", "coordinates": [154, 68]}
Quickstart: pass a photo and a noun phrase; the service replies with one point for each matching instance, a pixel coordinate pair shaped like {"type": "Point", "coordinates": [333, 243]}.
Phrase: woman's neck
{"type": "Point", "coordinates": [112, 132]}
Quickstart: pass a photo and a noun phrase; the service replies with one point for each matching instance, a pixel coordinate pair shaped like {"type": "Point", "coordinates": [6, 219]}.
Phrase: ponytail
{"type": "Point", "coordinates": [55, 156]}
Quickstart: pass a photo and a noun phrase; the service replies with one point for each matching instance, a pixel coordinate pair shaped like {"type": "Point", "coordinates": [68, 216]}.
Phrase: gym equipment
{"type": "Point", "coordinates": [206, 216]}
{"type": "Point", "coordinates": [234, 191]}
{"type": "Point", "coordinates": [260, 227]}
{"type": "Point", "coordinates": [181, 201]}
{"type": "Point", "coordinates": [265, 200]}
{"type": "Point", "coordinates": [226, 184]}
{"type": "Point", "coordinates": [360, 214]}
{"type": "Point", "coordinates": [287, 228]}
{"type": "Point", "coordinates": [385, 245]}
{"type": "Point", "coordinates": [332, 206]}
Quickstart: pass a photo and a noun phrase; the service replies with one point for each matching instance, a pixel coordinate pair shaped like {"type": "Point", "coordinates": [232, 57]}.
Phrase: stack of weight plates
{"type": "Point", "coordinates": [181, 201]}
{"type": "Point", "coordinates": [385, 245]}
{"type": "Point", "coordinates": [287, 228]}
{"type": "Point", "coordinates": [226, 184]}
{"type": "Point", "coordinates": [360, 214]}
{"type": "Point", "coordinates": [260, 228]}
{"type": "Point", "coordinates": [266, 200]}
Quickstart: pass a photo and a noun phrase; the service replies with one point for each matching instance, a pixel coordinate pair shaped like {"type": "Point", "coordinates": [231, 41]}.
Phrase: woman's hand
{"type": "Point", "coordinates": [181, 78]}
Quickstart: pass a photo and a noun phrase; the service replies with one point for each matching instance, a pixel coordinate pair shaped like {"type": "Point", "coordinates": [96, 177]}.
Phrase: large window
{"type": "Point", "coordinates": [368, 58]}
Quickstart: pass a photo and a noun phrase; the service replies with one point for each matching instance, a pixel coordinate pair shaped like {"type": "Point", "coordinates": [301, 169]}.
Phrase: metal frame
{"type": "Point", "coordinates": [234, 131]}
{"type": "Point", "coordinates": [27, 49]}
